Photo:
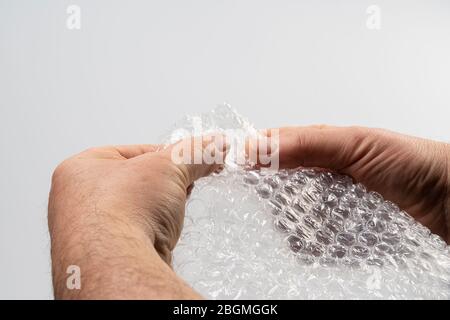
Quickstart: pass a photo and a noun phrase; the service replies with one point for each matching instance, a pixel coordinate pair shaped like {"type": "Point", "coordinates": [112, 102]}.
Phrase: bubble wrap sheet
{"type": "Point", "coordinates": [300, 234]}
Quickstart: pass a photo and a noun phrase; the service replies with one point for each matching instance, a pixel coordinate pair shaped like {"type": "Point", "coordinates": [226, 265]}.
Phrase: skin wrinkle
{"type": "Point", "coordinates": [365, 157]}
{"type": "Point", "coordinates": [434, 183]}
{"type": "Point", "coordinates": [144, 222]}
{"type": "Point", "coordinates": [164, 225]}
{"type": "Point", "coordinates": [359, 154]}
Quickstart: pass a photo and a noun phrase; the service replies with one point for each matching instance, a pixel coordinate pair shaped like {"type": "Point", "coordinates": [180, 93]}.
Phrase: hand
{"type": "Point", "coordinates": [117, 213]}
{"type": "Point", "coordinates": [412, 172]}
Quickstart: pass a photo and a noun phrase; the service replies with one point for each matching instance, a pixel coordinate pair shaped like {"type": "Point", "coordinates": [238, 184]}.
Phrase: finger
{"type": "Point", "coordinates": [322, 146]}
{"type": "Point", "coordinates": [198, 157]}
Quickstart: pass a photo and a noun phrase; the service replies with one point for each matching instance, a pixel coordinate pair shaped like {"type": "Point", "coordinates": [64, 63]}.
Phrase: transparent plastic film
{"type": "Point", "coordinates": [299, 234]}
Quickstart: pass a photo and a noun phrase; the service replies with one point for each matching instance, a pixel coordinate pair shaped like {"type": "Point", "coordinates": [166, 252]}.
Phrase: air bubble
{"type": "Point", "coordinates": [337, 251]}
{"type": "Point", "coordinates": [367, 239]}
{"type": "Point", "coordinates": [295, 243]}
{"type": "Point", "coordinates": [273, 181]}
{"type": "Point", "coordinates": [315, 249]}
{"type": "Point", "coordinates": [312, 222]}
{"type": "Point", "coordinates": [283, 225]}
{"type": "Point", "coordinates": [360, 252]}
{"type": "Point", "coordinates": [264, 190]}
{"type": "Point", "coordinates": [251, 178]}
{"type": "Point", "coordinates": [325, 236]}
{"type": "Point", "coordinates": [283, 198]}
{"type": "Point", "coordinates": [346, 238]}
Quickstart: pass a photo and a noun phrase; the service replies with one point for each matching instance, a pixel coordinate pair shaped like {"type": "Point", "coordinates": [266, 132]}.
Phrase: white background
{"type": "Point", "coordinates": [136, 66]}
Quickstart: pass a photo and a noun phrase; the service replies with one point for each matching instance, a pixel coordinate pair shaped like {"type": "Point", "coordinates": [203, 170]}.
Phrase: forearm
{"type": "Point", "coordinates": [117, 260]}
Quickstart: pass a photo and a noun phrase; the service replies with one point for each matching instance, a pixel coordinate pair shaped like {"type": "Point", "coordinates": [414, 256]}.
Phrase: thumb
{"type": "Point", "coordinates": [330, 147]}
{"type": "Point", "coordinates": [197, 157]}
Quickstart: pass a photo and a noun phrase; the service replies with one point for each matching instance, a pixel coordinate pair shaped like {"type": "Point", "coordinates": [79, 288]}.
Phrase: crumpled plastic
{"type": "Point", "coordinates": [299, 234]}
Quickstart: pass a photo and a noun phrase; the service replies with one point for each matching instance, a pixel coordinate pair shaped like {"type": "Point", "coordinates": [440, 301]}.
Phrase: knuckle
{"type": "Point", "coordinates": [60, 170]}
{"type": "Point", "coordinates": [64, 172]}
{"type": "Point", "coordinates": [59, 181]}
{"type": "Point", "coordinates": [181, 172]}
